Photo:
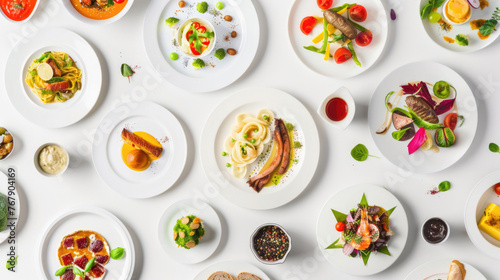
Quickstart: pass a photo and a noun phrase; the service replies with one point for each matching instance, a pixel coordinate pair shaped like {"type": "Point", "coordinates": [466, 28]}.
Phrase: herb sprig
{"type": "Point", "coordinates": [489, 25]}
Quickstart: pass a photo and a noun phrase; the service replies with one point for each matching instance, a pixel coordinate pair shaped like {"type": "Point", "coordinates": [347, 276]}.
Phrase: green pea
{"type": "Point", "coordinates": [228, 164]}
{"type": "Point", "coordinates": [252, 141]}
{"type": "Point", "coordinates": [174, 56]}
{"type": "Point", "coordinates": [266, 117]}
{"type": "Point", "coordinates": [245, 135]}
{"type": "Point", "coordinates": [224, 154]}
{"type": "Point", "coordinates": [232, 140]}
{"type": "Point", "coordinates": [256, 130]}
{"type": "Point", "coordinates": [219, 5]}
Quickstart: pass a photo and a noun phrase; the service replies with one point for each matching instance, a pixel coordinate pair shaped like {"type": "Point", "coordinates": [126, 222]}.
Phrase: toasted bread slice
{"type": "Point", "coordinates": [457, 271]}
{"type": "Point", "coordinates": [220, 275]}
{"type": "Point", "coordinates": [247, 276]}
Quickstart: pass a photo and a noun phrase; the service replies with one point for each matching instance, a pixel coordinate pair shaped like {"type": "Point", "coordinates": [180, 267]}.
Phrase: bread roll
{"type": "Point", "coordinates": [247, 276]}
{"type": "Point", "coordinates": [220, 275]}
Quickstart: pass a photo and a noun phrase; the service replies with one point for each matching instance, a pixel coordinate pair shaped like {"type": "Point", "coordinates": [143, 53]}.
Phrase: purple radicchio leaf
{"type": "Point", "coordinates": [393, 14]}
{"type": "Point", "coordinates": [410, 88]}
{"type": "Point", "coordinates": [444, 106]}
{"type": "Point", "coordinates": [424, 93]}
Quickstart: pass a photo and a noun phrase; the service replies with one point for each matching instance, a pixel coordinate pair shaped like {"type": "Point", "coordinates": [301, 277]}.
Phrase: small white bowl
{"type": "Point", "coordinates": [345, 94]}
{"type": "Point", "coordinates": [204, 22]}
{"type": "Point", "coordinates": [452, 22]}
{"type": "Point", "coordinates": [26, 19]}
{"type": "Point", "coordinates": [69, 7]}
{"type": "Point", "coordinates": [280, 261]}
{"type": "Point", "coordinates": [447, 234]}
{"type": "Point", "coordinates": [13, 145]}
{"type": "Point", "coordinates": [37, 160]}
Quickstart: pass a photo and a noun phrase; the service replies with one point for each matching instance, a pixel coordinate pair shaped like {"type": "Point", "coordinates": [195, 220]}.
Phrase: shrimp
{"type": "Point", "coordinates": [363, 237]}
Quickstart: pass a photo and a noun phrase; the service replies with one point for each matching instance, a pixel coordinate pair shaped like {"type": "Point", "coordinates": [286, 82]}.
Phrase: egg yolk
{"type": "Point", "coordinates": [137, 159]}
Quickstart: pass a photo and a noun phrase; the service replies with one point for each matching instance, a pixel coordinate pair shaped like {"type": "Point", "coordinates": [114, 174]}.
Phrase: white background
{"type": "Point", "coordinates": [275, 66]}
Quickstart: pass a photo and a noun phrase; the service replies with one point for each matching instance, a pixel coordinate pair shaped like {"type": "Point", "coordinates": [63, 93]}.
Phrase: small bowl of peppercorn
{"type": "Point", "coordinates": [270, 244]}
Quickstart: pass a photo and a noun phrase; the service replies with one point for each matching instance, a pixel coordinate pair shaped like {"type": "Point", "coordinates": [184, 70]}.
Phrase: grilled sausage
{"type": "Point", "coordinates": [341, 23]}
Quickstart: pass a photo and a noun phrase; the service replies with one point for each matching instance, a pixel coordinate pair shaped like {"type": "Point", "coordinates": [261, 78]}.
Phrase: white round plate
{"type": "Point", "coordinates": [481, 196]}
{"type": "Point", "coordinates": [218, 127]}
{"type": "Point", "coordinates": [88, 218]}
{"type": "Point", "coordinates": [27, 103]}
{"type": "Point", "coordinates": [69, 7]}
{"type": "Point", "coordinates": [231, 267]}
{"type": "Point", "coordinates": [343, 201]}
{"type": "Point", "coordinates": [209, 243]}
{"type": "Point", "coordinates": [155, 120]}
{"type": "Point", "coordinates": [435, 33]}
{"type": "Point", "coordinates": [16, 214]}
{"type": "Point", "coordinates": [436, 270]}
{"type": "Point", "coordinates": [159, 43]}
{"type": "Point", "coordinates": [376, 22]}
{"type": "Point", "coordinates": [397, 151]}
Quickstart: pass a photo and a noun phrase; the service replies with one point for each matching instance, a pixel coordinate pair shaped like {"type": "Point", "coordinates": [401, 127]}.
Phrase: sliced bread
{"type": "Point", "coordinates": [220, 275]}
{"type": "Point", "coordinates": [247, 276]}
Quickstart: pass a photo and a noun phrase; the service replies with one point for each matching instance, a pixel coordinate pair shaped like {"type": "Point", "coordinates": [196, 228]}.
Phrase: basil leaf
{"type": "Point", "coordinates": [117, 253]}
{"type": "Point", "coordinates": [398, 134]}
{"type": "Point", "coordinates": [488, 27]}
{"type": "Point", "coordinates": [426, 10]}
{"type": "Point", "coordinates": [89, 265]}
{"type": "Point", "coordinates": [126, 70]}
{"type": "Point", "coordinates": [444, 186]}
{"type": "Point", "coordinates": [360, 153]}
{"type": "Point", "coordinates": [494, 148]}
{"type": "Point", "coordinates": [438, 3]}
{"type": "Point", "coordinates": [111, 2]}
{"type": "Point", "coordinates": [61, 270]}
{"type": "Point", "coordinates": [55, 80]}
{"type": "Point", "coordinates": [78, 272]}
{"type": "Point", "coordinates": [9, 264]}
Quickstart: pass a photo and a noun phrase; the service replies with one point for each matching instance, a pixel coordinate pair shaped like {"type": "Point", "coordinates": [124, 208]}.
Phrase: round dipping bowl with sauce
{"type": "Point", "coordinates": [17, 12]}
{"type": "Point", "coordinates": [457, 12]}
{"type": "Point", "coordinates": [97, 16]}
{"type": "Point", "coordinates": [184, 43]}
{"type": "Point", "coordinates": [51, 160]}
{"type": "Point", "coordinates": [270, 236]}
{"type": "Point", "coordinates": [435, 231]}
{"type": "Point", "coordinates": [338, 108]}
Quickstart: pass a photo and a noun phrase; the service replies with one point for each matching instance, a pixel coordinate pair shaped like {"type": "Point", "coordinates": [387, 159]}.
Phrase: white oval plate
{"type": "Point", "coordinates": [27, 103]}
{"type": "Point", "coordinates": [435, 270]}
{"type": "Point", "coordinates": [434, 32]}
{"type": "Point", "coordinates": [231, 267]}
{"type": "Point", "coordinates": [4, 189]}
{"type": "Point", "coordinates": [397, 151]}
{"type": "Point", "coordinates": [158, 41]}
{"type": "Point", "coordinates": [72, 11]}
{"type": "Point", "coordinates": [155, 120]}
{"type": "Point", "coordinates": [218, 127]}
{"type": "Point", "coordinates": [376, 22]}
{"type": "Point", "coordinates": [209, 243]}
{"type": "Point", "coordinates": [481, 196]}
{"type": "Point", "coordinates": [343, 201]}
{"type": "Point", "coordinates": [88, 218]}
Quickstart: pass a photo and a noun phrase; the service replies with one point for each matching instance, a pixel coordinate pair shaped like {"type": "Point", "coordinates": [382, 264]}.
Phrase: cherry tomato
{"type": "Point", "coordinates": [497, 188]}
{"type": "Point", "coordinates": [193, 49]}
{"type": "Point", "coordinates": [307, 25]}
{"type": "Point", "coordinates": [364, 38]}
{"type": "Point", "coordinates": [342, 55]}
{"type": "Point", "coordinates": [196, 25]}
{"type": "Point", "coordinates": [340, 226]}
{"type": "Point", "coordinates": [451, 121]}
{"type": "Point", "coordinates": [358, 13]}
{"type": "Point", "coordinates": [205, 41]}
{"type": "Point", "coordinates": [119, 1]}
{"type": "Point", "coordinates": [324, 4]}
{"type": "Point", "coordinates": [202, 29]}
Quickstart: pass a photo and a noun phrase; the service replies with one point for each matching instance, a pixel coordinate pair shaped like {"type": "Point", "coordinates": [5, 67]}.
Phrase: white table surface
{"type": "Point", "coordinates": [275, 66]}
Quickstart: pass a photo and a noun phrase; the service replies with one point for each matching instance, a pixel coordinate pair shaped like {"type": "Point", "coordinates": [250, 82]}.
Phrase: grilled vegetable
{"type": "Point", "coordinates": [341, 23]}
{"type": "Point", "coordinates": [422, 109]}
{"type": "Point", "coordinates": [445, 137]}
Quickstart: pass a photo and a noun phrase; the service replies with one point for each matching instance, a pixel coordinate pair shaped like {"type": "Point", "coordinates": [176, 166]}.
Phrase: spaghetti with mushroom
{"type": "Point", "coordinates": [58, 85]}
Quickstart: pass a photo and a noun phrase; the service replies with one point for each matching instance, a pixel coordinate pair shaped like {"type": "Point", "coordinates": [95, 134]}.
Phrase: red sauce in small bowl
{"type": "Point", "coordinates": [17, 10]}
{"type": "Point", "coordinates": [336, 109]}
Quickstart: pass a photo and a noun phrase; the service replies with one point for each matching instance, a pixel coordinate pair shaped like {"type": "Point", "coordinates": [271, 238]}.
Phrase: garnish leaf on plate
{"type": "Point", "coordinates": [389, 212]}
{"type": "Point", "coordinates": [335, 245]}
{"type": "Point", "coordinates": [364, 201]}
{"type": "Point", "coordinates": [365, 255]}
{"type": "Point", "coordinates": [340, 217]}
{"type": "Point", "coordinates": [384, 250]}
{"type": "Point", "coordinates": [494, 148]}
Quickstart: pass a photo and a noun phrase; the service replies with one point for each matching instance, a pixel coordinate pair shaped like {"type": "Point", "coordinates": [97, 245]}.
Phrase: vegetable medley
{"type": "Point", "coordinates": [338, 32]}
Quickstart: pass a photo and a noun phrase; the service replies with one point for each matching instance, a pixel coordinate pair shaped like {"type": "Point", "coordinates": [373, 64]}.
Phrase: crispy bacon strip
{"type": "Point", "coordinates": [59, 86]}
{"type": "Point", "coordinates": [276, 160]}
{"type": "Point", "coordinates": [285, 161]}
{"type": "Point", "coordinates": [259, 184]}
{"type": "Point", "coordinates": [139, 142]}
{"type": "Point", "coordinates": [55, 69]}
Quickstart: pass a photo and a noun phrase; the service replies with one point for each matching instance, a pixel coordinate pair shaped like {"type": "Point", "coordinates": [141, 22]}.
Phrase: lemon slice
{"type": "Point", "coordinates": [45, 72]}
{"type": "Point", "coordinates": [428, 142]}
